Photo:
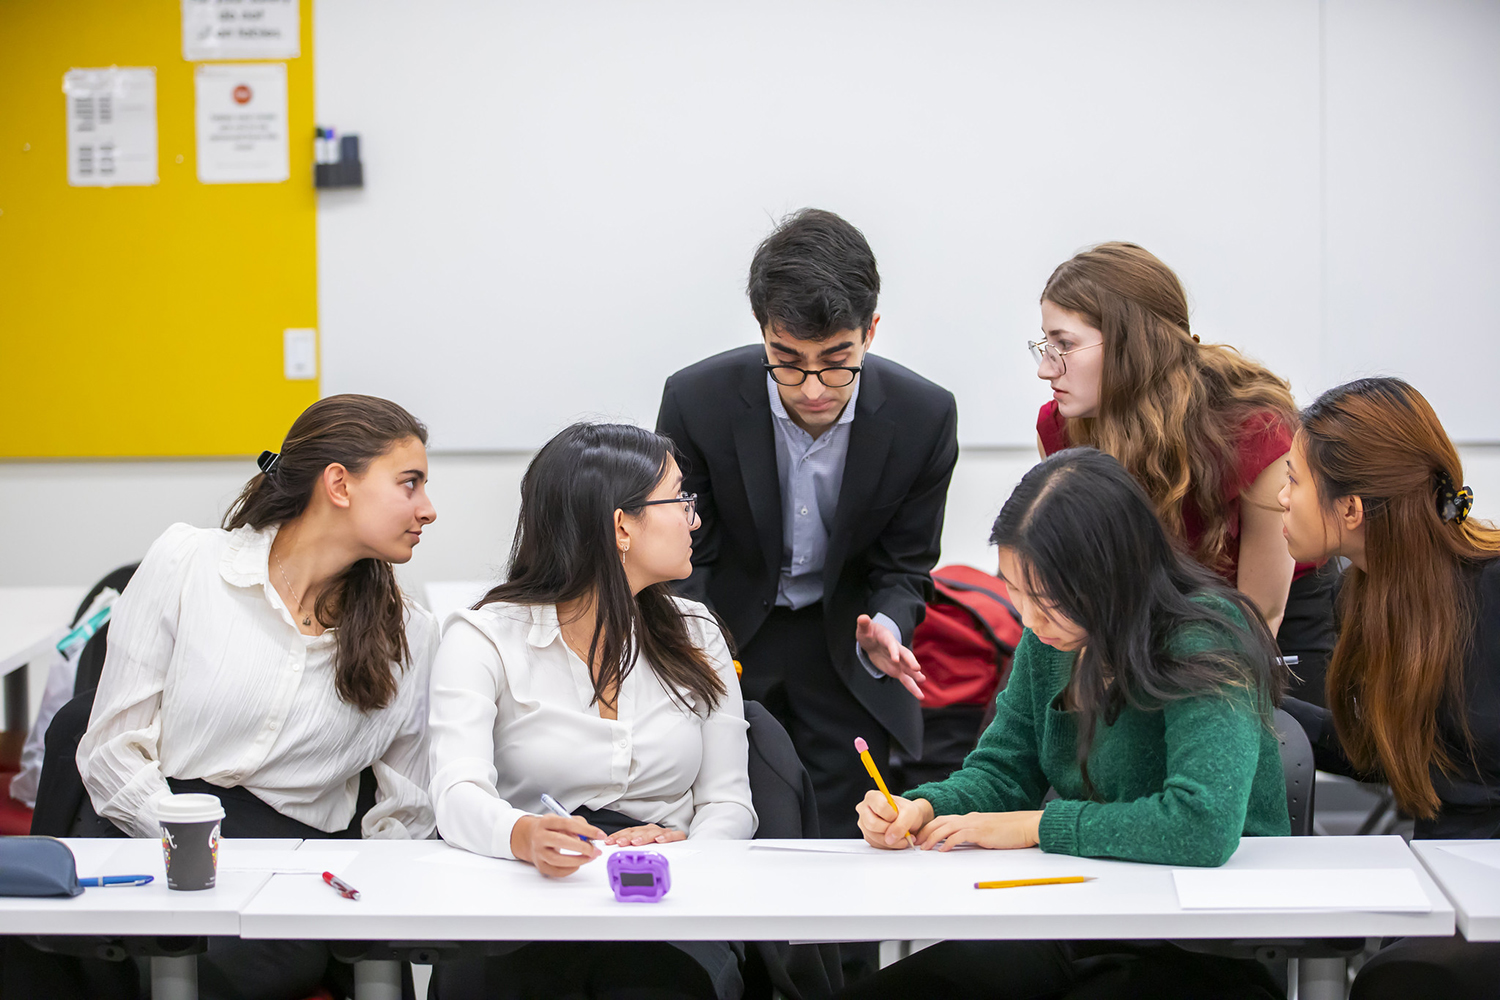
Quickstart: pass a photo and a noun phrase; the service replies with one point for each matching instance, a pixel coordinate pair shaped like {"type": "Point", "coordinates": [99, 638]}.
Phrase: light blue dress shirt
{"type": "Point", "coordinates": [810, 471]}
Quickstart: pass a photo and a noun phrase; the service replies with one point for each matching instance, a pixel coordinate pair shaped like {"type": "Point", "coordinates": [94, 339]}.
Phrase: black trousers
{"type": "Point", "coordinates": [1065, 970]}
{"type": "Point", "coordinates": [948, 735]}
{"type": "Point", "coordinates": [1451, 968]}
{"type": "Point", "coordinates": [1308, 631]}
{"type": "Point", "coordinates": [788, 670]}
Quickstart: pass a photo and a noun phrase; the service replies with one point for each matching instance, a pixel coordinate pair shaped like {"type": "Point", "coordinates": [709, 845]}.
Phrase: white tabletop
{"type": "Point", "coordinates": [137, 910]}
{"type": "Point", "coordinates": [1469, 872]}
{"type": "Point", "coordinates": [727, 890]}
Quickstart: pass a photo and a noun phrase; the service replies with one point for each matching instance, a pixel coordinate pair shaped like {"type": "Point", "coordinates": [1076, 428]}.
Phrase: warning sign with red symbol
{"type": "Point", "coordinates": [242, 126]}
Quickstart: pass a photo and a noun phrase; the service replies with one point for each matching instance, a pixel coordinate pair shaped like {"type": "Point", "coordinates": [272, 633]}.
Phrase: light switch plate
{"type": "Point", "coordinates": [300, 353]}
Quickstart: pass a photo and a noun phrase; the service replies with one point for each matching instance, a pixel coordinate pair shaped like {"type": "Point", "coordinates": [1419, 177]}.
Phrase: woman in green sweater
{"type": "Point", "coordinates": [1142, 691]}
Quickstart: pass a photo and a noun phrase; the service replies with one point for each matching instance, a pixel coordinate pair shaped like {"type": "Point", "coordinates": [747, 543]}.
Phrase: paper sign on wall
{"type": "Point", "coordinates": [240, 29]}
{"type": "Point", "coordinates": [111, 126]}
{"type": "Point", "coordinates": [242, 123]}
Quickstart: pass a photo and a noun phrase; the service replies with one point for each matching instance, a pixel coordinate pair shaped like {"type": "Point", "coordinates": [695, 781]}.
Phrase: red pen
{"type": "Point", "coordinates": [340, 886]}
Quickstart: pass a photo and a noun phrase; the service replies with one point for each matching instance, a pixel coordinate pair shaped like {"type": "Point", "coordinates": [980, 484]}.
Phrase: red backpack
{"type": "Point", "coordinates": [967, 639]}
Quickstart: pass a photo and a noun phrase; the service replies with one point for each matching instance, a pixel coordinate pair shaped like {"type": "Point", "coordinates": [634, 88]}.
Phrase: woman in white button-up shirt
{"type": "Point", "coordinates": [582, 677]}
{"type": "Point", "coordinates": [272, 662]}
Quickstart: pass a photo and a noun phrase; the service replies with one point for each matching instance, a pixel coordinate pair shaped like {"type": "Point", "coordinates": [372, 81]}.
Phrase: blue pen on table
{"type": "Point", "coordinates": [556, 807]}
{"type": "Point", "coordinates": [103, 881]}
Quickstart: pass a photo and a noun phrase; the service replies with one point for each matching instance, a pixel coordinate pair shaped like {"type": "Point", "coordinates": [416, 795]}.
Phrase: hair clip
{"type": "Point", "coordinates": [1453, 504]}
{"type": "Point", "coordinates": [269, 462]}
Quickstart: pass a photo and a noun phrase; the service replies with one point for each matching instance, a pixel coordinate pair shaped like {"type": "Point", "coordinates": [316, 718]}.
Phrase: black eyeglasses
{"type": "Point", "coordinates": [834, 378]}
{"type": "Point", "coordinates": [688, 500]}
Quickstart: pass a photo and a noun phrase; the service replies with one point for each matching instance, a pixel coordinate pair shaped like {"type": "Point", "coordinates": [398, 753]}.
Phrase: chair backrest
{"type": "Point", "coordinates": [780, 788]}
{"type": "Point", "coordinates": [1297, 768]}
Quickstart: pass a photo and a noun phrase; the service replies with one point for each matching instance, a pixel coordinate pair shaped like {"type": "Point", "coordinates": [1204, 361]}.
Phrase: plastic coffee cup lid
{"type": "Point", "coordinates": [196, 808]}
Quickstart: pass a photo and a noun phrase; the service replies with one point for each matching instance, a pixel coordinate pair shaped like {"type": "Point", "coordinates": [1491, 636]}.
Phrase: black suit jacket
{"type": "Point", "coordinates": [903, 444]}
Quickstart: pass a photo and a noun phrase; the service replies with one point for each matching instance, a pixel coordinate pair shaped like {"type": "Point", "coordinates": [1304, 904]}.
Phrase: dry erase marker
{"type": "Point", "coordinates": [1016, 883]}
{"type": "Point", "coordinates": [556, 807]}
{"type": "Point", "coordinates": [340, 886]}
{"type": "Point", "coordinates": [104, 881]}
{"type": "Point", "coordinates": [864, 755]}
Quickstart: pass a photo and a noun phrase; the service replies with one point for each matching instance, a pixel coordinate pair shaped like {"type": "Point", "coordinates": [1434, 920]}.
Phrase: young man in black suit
{"type": "Point", "coordinates": [822, 473]}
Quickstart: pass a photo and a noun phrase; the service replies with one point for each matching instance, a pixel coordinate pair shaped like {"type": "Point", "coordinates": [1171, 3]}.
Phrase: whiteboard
{"type": "Point", "coordinates": [561, 201]}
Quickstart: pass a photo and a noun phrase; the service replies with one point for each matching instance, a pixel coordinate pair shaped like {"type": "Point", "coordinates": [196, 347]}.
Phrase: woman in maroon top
{"type": "Point", "coordinates": [1204, 429]}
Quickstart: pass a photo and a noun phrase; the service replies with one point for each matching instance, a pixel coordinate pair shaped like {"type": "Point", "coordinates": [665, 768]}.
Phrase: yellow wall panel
{"type": "Point", "coordinates": [143, 321]}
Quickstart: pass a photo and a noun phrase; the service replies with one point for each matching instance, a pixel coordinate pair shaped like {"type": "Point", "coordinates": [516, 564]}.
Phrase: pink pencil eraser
{"type": "Point", "coordinates": [860, 744]}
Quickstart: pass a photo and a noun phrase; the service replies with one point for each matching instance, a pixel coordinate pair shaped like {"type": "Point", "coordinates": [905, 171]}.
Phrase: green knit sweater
{"type": "Point", "coordinates": [1178, 785]}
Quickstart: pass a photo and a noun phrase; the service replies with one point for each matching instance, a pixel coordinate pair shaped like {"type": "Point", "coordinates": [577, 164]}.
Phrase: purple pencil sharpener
{"type": "Point", "coordinates": [638, 876]}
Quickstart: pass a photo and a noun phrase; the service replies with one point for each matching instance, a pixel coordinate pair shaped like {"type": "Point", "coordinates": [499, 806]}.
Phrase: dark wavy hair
{"type": "Point", "coordinates": [564, 550]}
{"type": "Point", "coordinates": [814, 276]}
{"type": "Point", "coordinates": [364, 603]}
{"type": "Point", "coordinates": [1091, 547]}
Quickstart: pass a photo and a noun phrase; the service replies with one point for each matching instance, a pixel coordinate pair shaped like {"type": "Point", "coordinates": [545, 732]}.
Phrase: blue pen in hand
{"type": "Point", "coordinates": [556, 807]}
{"type": "Point", "coordinates": [113, 880]}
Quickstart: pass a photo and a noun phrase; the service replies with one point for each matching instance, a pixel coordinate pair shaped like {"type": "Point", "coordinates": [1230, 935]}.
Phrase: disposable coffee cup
{"type": "Point", "coordinates": [190, 839]}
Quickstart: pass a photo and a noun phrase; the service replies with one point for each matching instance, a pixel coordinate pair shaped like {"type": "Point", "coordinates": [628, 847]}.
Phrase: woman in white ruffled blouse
{"type": "Point", "coordinates": [582, 677]}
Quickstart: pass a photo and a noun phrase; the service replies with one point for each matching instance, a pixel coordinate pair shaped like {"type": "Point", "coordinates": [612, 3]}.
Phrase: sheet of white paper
{"type": "Point", "coordinates": [822, 847]}
{"type": "Point", "coordinates": [111, 126]}
{"type": "Point", "coordinates": [1484, 854]}
{"type": "Point", "coordinates": [236, 859]}
{"type": "Point", "coordinates": [240, 29]}
{"type": "Point", "coordinates": [1381, 890]}
{"type": "Point", "coordinates": [242, 123]}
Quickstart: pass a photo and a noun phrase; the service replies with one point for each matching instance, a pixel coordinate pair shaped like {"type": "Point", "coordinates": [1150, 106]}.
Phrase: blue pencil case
{"type": "Point", "coordinates": [37, 866]}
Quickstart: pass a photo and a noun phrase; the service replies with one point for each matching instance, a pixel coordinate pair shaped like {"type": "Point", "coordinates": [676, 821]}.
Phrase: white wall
{"type": "Point", "coordinates": [70, 523]}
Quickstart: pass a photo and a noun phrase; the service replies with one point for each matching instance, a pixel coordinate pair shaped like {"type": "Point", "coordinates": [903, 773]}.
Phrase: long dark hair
{"type": "Point", "coordinates": [565, 550]}
{"type": "Point", "coordinates": [1408, 618]}
{"type": "Point", "coordinates": [364, 602]}
{"type": "Point", "coordinates": [1171, 409]}
{"type": "Point", "coordinates": [1090, 544]}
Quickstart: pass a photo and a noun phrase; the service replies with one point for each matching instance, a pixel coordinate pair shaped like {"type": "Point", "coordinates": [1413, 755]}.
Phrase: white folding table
{"type": "Point", "coordinates": [1468, 871]}
{"type": "Point", "coordinates": [417, 894]}
{"type": "Point", "coordinates": [144, 916]}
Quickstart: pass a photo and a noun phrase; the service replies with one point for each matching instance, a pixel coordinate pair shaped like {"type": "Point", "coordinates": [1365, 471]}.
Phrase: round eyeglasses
{"type": "Point", "coordinates": [1043, 351]}
{"type": "Point", "coordinates": [834, 378]}
{"type": "Point", "coordinates": [689, 503]}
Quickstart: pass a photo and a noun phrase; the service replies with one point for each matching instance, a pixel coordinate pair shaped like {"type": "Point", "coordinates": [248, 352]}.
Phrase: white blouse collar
{"type": "Point", "coordinates": [246, 559]}
{"type": "Point", "coordinates": [544, 625]}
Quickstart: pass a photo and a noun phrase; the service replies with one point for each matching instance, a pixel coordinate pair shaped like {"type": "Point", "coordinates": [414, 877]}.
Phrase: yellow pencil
{"type": "Point", "coordinates": [1017, 882]}
{"type": "Point", "coordinates": [864, 755]}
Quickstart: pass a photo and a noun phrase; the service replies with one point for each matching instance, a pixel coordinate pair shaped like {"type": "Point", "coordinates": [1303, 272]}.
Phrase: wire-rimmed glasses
{"type": "Point", "coordinates": [1044, 351]}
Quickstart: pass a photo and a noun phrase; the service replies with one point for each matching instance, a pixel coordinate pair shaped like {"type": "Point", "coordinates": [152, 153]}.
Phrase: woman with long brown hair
{"type": "Point", "coordinates": [273, 661]}
{"type": "Point", "coordinates": [1414, 682]}
{"type": "Point", "coordinates": [1203, 429]}
{"type": "Point", "coordinates": [582, 678]}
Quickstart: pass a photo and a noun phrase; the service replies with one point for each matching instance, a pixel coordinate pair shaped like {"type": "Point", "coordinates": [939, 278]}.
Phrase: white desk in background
{"type": "Point", "coordinates": [31, 618]}
{"type": "Point", "coordinates": [145, 915]}
{"type": "Point", "coordinates": [1469, 872]}
{"type": "Point", "coordinates": [425, 892]}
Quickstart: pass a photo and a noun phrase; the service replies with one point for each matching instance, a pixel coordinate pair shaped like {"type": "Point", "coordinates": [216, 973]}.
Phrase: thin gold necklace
{"type": "Point", "coordinates": [306, 618]}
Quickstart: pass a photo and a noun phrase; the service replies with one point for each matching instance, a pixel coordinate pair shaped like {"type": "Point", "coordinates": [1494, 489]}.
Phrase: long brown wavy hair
{"type": "Point", "coordinates": [1408, 618]}
{"type": "Point", "coordinates": [564, 549]}
{"type": "Point", "coordinates": [1172, 410]}
{"type": "Point", "coordinates": [364, 603]}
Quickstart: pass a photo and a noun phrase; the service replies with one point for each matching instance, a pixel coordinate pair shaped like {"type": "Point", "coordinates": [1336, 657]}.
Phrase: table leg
{"type": "Point", "coordinates": [375, 980]}
{"type": "Point", "coordinates": [174, 978]}
{"type": "Point", "coordinates": [1322, 978]}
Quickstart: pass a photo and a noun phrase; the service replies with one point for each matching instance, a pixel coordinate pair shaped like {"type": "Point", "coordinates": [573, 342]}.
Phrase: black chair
{"type": "Point", "coordinates": [782, 793]}
{"type": "Point", "coordinates": [1297, 767]}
